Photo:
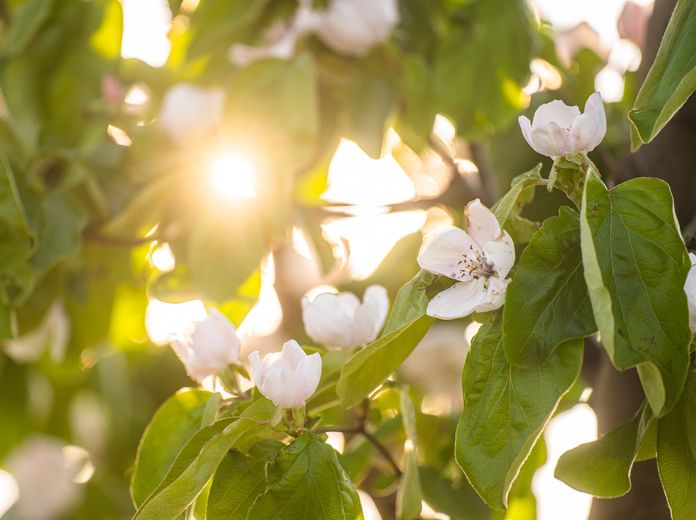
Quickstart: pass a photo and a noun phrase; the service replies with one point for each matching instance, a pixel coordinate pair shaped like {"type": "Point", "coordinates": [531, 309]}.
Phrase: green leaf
{"type": "Point", "coordinates": [200, 458]}
{"type": "Point", "coordinates": [457, 500]}
{"type": "Point", "coordinates": [374, 363]}
{"type": "Point", "coordinates": [239, 480]}
{"type": "Point", "coordinates": [506, 409]}
{"type": "Point", "coordinates": [603, 467]}
{"type": "Point", "coordinates": [169, 430]}
{"type": "Point", "coordinates": [635, 266]}
{"type": "Point", "coordinates": [8, 322]}
{"type": "Point", "coordinates": [480, 96]}
{"type": "Point", "coordinates": [28, 18]}
{"type": "Point", "coordinates": [59, 229]}
{"type": "Point", "coordinates": [409, 495]}
{"type": "Point", "coordinates": [547, 302]}
{"type": "Point", "coordinates": [307, 481]}
{"type": "Point", "coordinates": [507, 210]}
{"type": "Point", "coordinates": [411, 301]}
{"type": "Point", "coordinates": [676, 460]}
{"type": "Point", "coordinates": [671, 79]}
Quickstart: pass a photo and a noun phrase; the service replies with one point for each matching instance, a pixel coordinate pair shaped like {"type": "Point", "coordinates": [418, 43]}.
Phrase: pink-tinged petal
{"type": "Point", "coordinates": [582, 134]}
{"type": "Point", "coordinates": [285, 388]}
{"type": "Point", "coordinates": [310, 368]}
{"type": "Point", "coordinates": [481, 222]}
{"type": "Point", "coordinates": [257, 372]}
{"type": "Point", "coordinates": [443, 249]}
{"type": "Point", "coordinates": [690, 290]}
{"type": "Point", "coordinates": [458, 301]}
{"type": "Point", "coordinates": [526, 127]}
{"type": "Point", "coordinates": [370, 315]}
{"type": "Point", "coordinates": [555, 112]}
{"type": "Point", "coordinates": [292, 355]}
{"type": "Point", "coordinates": [501, 253]}
{"type": "Point", "coordinates": [328, 319]}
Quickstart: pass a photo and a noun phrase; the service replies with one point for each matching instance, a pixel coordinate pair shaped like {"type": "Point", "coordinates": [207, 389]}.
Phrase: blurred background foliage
{"type": "Point", "coordinates": [116, 228]}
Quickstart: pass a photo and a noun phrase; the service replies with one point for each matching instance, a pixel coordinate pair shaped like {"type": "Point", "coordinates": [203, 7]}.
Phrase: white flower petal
{"type": "Point", "coordinates": [555, 112]}
{"type": "Point", "coordinates": [443, 249]}
{"type": "Point", "coordinates": [501, 253]}
{"type": "Point", "coordinates": [328, 319]}
{"type": "Point", "coordinates": [458, 301]}
{"type": "Point", "coordinates": [370, 315]}
{"type": "Point", "coordinates": [310, 368]}
{"type": "Point", "coordinates": [495, 294]}
{"type": "Point", "coordinates": [551, 140]}
{"type": "Point", "coordinates": [286, 388]}
{"type": "Point", "coordinates": [595, 108]}
{"type": "Point", "coordinates": [526, 127]}
{"type": "Point", "coordinates": [257, 372]}
{"type": "Point", "coordinates": [690, 289]}
{"type": "Point", "coordinates": [482, 225]}
{"type": "Point", "coordinates": [292, 355]}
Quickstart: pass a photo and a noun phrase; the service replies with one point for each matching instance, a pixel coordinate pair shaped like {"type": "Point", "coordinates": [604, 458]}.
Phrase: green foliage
{"type": "Point", "coordinates": [199, 459]}
{"type": "Point", "coordinates": [307, 480]}
{"type": "Point", "coordinates": [671, 79]}
{"type": "Point", "coordinates": [507, 210]}
{"type": "Point", "coordinates": [405, 327]}
{"type": "Point", "coordinates": [547, 303]}
{"type": "Point", "coordinates": [409, 496]}
{"type": "Point", "coordinates": [603, 467]}
{"type": "Point", "coordinates": [505, 409]}
{"type": "Point", "coordinates": [676, 454]}
{"type": "Point", "coordinates": [240, 480]}
{"type": "Point", "coordinates": [494, 39]}
{"type": "Point", "coordinates": [170, 429]}
{"type": "Point", "coordinates": [635, 266]}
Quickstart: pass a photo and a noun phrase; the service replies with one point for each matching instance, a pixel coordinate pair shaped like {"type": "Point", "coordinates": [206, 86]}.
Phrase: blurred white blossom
{"type": "Point", "coordinates": [287, 378]}
{"type": "Point", "coordinates": [341, 320]}
{"type": "Point", "coordinates": [53, 333]}
{"type": "Point", "coordinates": [189, 111]}
{"type": "Point", "coordinates": [46, 472]}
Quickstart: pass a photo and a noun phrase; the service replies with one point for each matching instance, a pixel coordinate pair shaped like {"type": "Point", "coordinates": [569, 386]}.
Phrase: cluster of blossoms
{"type": "Point", "coordinates": [478, 260]}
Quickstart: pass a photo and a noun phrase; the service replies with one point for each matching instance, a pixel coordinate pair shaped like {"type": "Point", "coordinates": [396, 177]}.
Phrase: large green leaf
{"type": "Point", "coordinates": [307, 481]}
{"type": "Point", "coordinates": [406, 325]}
{"type": "Point", "coordinates": [676, 457]}
{"type": "Point", "coordinates": [199, 459]}
{"type": "Point", "coordinates": [603, 467]}
{"type": "Point", "coordinates": [635, 266]}
{"type": "Point", "coordinates": [520, 193]}
{"type": "Point", "coordinates": [169, 430]}
{"type": "Point", "coordinates": [374, 363]}
{"type": "Point", "coordinates": [506, 409]}
{"type": "Point", "coordinates": [547, 302]}
{"type": "Point", "coordinates": [239, 480]}
{"type": "Point", "coordinates": [671, 79]}
{"type": "Point", "coordinates": [482, 64]}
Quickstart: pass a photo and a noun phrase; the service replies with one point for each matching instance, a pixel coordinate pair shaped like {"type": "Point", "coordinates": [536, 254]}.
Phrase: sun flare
{"type": "Point", "coordinates": [233, 176]}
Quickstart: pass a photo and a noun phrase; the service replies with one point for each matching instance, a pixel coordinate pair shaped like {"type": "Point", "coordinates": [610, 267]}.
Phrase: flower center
{"type": "Point", "coordinates": [475, 264]}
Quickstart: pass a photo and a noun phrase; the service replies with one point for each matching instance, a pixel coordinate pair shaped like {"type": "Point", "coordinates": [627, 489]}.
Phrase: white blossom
{"type": "Point", "coordinates": [340, 320]}
{"type": "Point", "coordinates": [189, 111]}
{"type": "Point", "coordinates": [287, 378]}
{"type": "Point", "coordinates": [53, 333]}
{"type": "Point", "coordinates": [558, 130]}
{"type": "Point", "coordinates": [46, 476]}
{"type": "Point", "coordinates": [208, 347]}
{"type": "Point", "coordinates": [478, 260]}
{"type": "Point", "coordinates": [353, 27]}
{"type": "Point", "coordinates": [690, 289]}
